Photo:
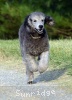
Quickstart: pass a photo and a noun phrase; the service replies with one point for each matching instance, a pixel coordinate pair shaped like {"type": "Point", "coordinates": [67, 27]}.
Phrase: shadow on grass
{"type": "Point", "coordinates": [50, 75]}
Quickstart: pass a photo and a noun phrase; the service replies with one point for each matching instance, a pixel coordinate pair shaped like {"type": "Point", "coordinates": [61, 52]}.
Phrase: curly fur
{"type": "Point", "coordinates": [34, 45]}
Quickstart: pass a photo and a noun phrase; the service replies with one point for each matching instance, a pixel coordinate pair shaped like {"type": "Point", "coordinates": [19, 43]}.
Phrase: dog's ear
{"type": "Point", "coordinates": [49, 20]}
{"type": "Point", "coordinates": [26, 20]}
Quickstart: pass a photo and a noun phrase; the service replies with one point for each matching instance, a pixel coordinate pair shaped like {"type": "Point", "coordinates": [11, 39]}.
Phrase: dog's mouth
{"type": "Point", "coordinates": [40, 31]}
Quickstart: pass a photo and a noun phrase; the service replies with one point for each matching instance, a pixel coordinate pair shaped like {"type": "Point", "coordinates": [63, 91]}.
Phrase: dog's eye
{"type": "Point", "coordinates": [42, 20]}
{"type": "Point", "coordinates": [35, 20]}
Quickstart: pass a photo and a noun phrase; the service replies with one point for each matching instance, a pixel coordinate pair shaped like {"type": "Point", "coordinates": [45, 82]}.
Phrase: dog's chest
{"type": "Point", "coordinates": [36, 46]}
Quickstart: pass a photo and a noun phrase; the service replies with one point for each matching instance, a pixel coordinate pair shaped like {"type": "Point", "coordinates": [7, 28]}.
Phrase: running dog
{"type": "Point", "coordinates": [34, 43]}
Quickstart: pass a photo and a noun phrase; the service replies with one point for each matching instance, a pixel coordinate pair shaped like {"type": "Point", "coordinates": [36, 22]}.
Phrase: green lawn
{"type": "Point", "coordinates": [60, 53]}
{"type": "Point", "coordinates": [60, 57]}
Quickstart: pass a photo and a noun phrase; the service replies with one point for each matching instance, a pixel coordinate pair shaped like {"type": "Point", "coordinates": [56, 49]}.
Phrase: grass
{"type": "Point", "coordinates": [10, 57]}
{"type": "Point", "coordinates": [60, 57]}
{"type": "Point", "coordinates": [61, 54]}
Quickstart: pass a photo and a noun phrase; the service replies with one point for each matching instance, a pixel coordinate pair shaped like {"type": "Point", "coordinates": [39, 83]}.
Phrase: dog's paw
{"type": "Point", "coordinates": [30, 82]}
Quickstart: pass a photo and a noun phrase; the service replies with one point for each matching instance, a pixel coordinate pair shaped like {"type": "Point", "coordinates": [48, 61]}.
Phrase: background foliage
{"type": "Point", "coordinates": [13, 12]}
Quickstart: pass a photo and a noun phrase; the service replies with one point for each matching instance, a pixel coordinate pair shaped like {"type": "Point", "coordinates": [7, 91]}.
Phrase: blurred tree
{"type": "Point", "coordinates": [16, 10]}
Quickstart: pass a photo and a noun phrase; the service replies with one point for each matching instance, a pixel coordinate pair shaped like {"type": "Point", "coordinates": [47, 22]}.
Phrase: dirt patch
{"type": "Point", "coordinates": [13, 86]}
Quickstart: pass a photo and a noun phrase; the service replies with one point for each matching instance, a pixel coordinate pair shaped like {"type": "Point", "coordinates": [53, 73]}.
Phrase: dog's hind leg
{"type": "Point", "coordinates": [43, 62]}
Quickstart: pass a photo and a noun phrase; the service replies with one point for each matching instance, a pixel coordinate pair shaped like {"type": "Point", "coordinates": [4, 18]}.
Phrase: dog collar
{"type": "Point", "coordinates": [35, 37]}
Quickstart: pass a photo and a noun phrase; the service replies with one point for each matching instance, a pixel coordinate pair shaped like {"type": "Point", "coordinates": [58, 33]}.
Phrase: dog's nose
{"type": "Point", "coordinates": [40, 26]}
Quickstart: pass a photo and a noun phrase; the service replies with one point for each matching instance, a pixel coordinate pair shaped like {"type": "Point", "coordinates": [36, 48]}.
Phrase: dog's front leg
{"type": "Point", "coordinates": [30, 75]}
{"type": "Point", "coordinates": [43, 62]}
{"type": "Point", "coordinates": [31, 67]}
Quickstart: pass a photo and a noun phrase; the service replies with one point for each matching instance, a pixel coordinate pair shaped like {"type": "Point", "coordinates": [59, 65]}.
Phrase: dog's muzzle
{"type": "Point", "coordinates": [40, 30]}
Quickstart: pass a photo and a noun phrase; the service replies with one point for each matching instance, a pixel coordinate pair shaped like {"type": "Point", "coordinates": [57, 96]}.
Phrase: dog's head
{"type": "Point", "coordinates": [36, 21]}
